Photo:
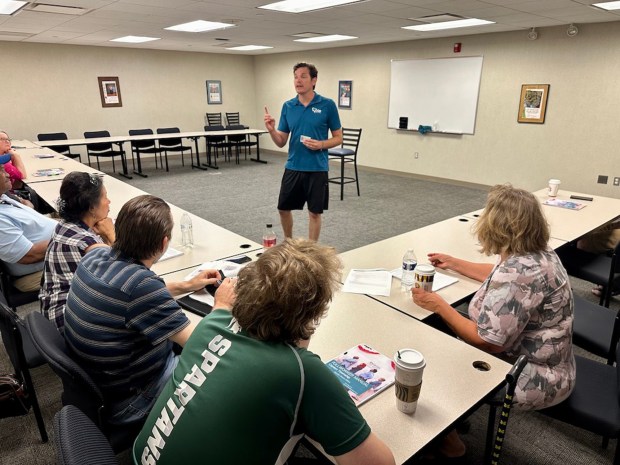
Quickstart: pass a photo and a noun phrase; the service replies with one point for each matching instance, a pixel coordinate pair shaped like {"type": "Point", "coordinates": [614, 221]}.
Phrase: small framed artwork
{"type": "Point", "coordinates": [345, 93]}
{"type": "Point", "coordinates": [533, 103]}
{"type": "Point", "coordinates": [214, 92]}
{"type": "Point", "coordinates": [110, 91]}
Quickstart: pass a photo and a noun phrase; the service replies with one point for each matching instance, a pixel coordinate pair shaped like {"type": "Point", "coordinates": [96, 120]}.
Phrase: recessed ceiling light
{"type": "Point", "coordinates": [608, 5]}
{"type": "Point", "coordinates": [449, 24]}
{"type": "Point", "coordinates": [301, 6]}
{"type": "Point", "coordinates": [10, 7]}
{"type": "Point", "coordinates": [199, 26]}
{"type": "Point", "coordinates": [135, 39]}
{"type": "Point", "coordinates": [331, 38]}
{"type": "Point", "coordinates": [249, 48]}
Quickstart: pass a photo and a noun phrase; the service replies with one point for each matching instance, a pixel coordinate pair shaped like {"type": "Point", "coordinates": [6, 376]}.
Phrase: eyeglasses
{"type": "Point", "coordinates": [3, 139]}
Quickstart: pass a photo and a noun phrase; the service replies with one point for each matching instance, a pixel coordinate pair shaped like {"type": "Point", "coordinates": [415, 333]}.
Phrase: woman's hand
{"type": "Point", "coordinates": [441, 260]}
{"type": "Point", "coordinates": [105, 228]}
{"type": "Point", "coordinates": [428, 300]}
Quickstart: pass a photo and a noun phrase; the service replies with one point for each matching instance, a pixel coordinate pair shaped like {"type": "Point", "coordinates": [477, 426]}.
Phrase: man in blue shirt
{"type": "Point", "coordinates": [308, 119]}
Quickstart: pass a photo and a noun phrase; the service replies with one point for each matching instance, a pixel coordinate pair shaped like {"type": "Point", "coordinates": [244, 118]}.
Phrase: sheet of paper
{"type": "Point", "coordinates": [170, 253]}
{"type": "Point", "coordinates": [203, 296]}
{"type": "Point", "coordinates": [230, 269]}
{"type": "Point", "coordinates": [439, 282]}
{"type": "Point", "coordinates": [371, 282]}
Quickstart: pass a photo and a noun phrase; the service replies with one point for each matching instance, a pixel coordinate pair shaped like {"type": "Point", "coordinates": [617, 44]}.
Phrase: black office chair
{"type": "Point", "coordinates": [594, 404]}
{"type": "Point", "coordinates": [214, 119]}
{"type": "Point", "coordinates": [495, 436]}
{"type": "Point", "coordinates": [14, 297]}
{"type": "Point", "coordinates": [78, 387]}
{"type": "Point", "coordinates": [173, 145]}
{"type": "Point", "coordinates": [239, 141]}
{"type": "Point", "coordinates": [601, 269]}
{"type": "Point", "coordinates": [596, 328]}
{"type": "Point", "coordinates": [139, 147]}
{"type": "Point", "coordinates": [64, 149]}
{"type": "Point", "coordinates": [216, 144]}
{"type": "Point", "coordinates": [23, 356]}
{"type": "Point", "coordinates": [79, 441]}
{"type": "Point", "coordinates": [346, 153]}
{"type": "Point", "coordinates": [232, 118]}
{"type": "Point", "coordinates": [103, 149]}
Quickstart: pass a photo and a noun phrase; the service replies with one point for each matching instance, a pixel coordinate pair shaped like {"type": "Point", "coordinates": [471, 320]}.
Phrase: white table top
{"type": "Point", "coordinates": [210, 239]}
{"type": "Point", "coordinates": [33, 164]}
{"type": "Point", "coordinates": [452, 236]}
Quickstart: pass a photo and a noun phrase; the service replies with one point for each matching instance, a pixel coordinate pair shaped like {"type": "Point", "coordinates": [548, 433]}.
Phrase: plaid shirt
{"type": "Point", "coordinates": [64, 252]}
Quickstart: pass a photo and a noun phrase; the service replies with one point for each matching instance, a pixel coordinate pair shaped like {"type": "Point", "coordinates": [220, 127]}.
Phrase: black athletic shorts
{"type": "Point", "coordinates": [299, 187]}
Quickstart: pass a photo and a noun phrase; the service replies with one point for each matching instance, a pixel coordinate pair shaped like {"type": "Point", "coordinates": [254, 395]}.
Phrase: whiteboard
{"type": "Point", "coordinates": [438, 92]}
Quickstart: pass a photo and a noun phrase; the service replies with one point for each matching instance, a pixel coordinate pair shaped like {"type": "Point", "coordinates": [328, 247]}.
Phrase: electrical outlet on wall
{"type": "Point", "coordinates": [416, 155]}
{"type": "Point", "coordinates": [617, 181]}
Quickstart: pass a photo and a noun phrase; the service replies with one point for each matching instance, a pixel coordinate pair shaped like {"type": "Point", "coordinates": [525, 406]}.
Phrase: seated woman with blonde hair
{"type": "Point", "coordinates": [83, 207]}
{"type": "Point", "coordinates": [525, 303]}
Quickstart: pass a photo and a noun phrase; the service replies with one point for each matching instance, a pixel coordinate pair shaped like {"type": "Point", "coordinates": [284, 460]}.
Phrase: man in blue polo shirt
{"type": "Point", "coordinates": [307, 118]}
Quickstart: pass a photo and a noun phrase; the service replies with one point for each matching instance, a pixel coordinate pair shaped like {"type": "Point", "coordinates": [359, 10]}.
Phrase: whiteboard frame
{"type": "Point", "coordinates": [470, 129]}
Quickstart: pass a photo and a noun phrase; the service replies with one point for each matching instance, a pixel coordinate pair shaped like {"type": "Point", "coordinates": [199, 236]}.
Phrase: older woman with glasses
{"type": "Point", "coordinates": [83, 207]}
{"type": "Point", "coordinates": [525, 303]}
{"type": "Point", "coordinates": [12, 162]}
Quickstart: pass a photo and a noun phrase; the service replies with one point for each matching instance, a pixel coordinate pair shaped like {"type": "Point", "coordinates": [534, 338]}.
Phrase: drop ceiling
{"type": "Point", "coordinates": [96, 22]}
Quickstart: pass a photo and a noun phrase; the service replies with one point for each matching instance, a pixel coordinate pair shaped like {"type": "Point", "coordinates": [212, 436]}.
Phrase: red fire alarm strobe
{"type": "Point", "coordinates": [457, 47]}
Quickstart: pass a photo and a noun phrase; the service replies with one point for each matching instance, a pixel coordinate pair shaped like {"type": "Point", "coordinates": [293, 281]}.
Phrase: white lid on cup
{"type": "Point", "coordinates": [425, 269]}
{"type": "Point", "coordinates": [554, 181]}
{"type": "Point", "coordinates": [409, 359]}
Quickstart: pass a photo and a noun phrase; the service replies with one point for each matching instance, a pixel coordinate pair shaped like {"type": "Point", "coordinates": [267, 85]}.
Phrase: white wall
{"type": "Point", "coordinates": [579, 140]}
{"type": "Point", "coordinates": [54, 88]}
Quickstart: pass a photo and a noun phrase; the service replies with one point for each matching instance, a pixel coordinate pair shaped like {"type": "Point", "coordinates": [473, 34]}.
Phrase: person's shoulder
{"type": "Point", "coordinates": [322, 100]}
{"type": "Point", "coordinates": [291, 102]}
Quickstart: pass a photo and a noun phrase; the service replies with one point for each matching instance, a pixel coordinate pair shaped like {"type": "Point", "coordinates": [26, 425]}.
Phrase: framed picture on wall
{"type": "Point", "coordinates": [345, 93]}
{"type": "Point", "coordinates": [533, 103]}
{"type": "Point", "coordinates": [214, 92]}
{"type": "Point", "coordinates": [110, 92]}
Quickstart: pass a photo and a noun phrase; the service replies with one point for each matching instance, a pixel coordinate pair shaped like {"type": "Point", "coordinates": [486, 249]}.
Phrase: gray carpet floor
{"type": "Point", "coordinates": [243, 198]}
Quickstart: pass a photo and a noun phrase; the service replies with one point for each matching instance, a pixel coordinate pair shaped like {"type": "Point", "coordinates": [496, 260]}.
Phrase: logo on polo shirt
{"type": "Point", "coordinates": [316, 110]}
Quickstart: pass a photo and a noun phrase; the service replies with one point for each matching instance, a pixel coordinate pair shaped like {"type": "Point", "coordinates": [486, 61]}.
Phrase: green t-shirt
{"type": "Point", "coordinates": [234, 399]}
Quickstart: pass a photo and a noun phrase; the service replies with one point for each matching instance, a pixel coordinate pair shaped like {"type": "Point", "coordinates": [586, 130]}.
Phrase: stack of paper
{"type": "Point", "coordinates": [370, 282]}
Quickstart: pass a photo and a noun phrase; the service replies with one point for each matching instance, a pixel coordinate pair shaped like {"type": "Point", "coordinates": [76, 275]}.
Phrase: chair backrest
{"type": "Point", "coordinates": [99, 147]}
{"type": "Point", "coordinates": [14, 297]}
{"type": "Point", "coordinates": [236, 137]}
{"type": "Point", "coordinates": [55, 136]}
{"type": "Point", "coordinates": [78, 387]}
{"type": "Point", "coordinates": [232, 118]}
{"type": "Point", "coordinates": [215, 127]}
{"type": "Point", "coordinates": [172, 142]}
{"type": "Point", "coordinates": [142, 144]}
{"type": "Point", "coordinates": [351, 138]}
{"type": "Point", "coordinates": [214, 119]}
{"type": "Point", "coordinates": [79, 441]}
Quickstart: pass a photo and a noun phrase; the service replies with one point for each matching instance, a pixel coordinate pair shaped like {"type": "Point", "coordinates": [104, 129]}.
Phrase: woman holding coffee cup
{"type": "Point", "coordinates": [525, 304]}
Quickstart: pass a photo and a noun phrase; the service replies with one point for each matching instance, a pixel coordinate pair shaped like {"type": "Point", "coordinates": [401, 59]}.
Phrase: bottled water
{"type": "Point", "coordinates": [269, 238]}
{"type": "Point", "coordinates": [409, 263]}
{"type": "Point", "coordinates": [187, 231]}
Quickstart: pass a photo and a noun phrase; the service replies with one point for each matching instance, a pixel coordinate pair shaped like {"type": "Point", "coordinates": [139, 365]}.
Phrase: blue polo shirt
{"type": "Point", "coordinates": [314, 121]}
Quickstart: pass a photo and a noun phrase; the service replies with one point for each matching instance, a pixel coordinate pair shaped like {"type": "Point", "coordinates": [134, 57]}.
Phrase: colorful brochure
{"type": "Point", "coordinates": [564, 204]}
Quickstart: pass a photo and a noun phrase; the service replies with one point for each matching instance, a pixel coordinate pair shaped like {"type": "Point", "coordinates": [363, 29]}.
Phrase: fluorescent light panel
{"type": "Point", "coordinates": [608, 5]}
{"type": "Point", "coordinates": [135, 39]}
{"type": "Point", "coordinates": [248, 48]}
{"type": "Point", "coordinates": [301, 6]}
{"type": "Point", "coordinates": [10, 7]}
{"type": "Point", "coordinates": [331, 38]}
{"type": "Point", "coordinates": [199, 26]}
{"type": "Point", "coordinates": [449, 25]}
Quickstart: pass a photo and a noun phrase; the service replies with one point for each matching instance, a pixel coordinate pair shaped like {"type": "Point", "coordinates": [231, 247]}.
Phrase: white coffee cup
{"type": "Point", "coordinates": [409, 369]}
{"type": "Point", "coordinates": [554, 186]}
{"type": "Point", "coordinates": [424, 277]}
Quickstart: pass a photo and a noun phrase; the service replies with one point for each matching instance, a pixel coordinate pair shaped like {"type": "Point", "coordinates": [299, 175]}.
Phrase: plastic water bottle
{"type": "Point", "coordinates": [269, 238]}
{"type": "Point", "coordinates": [187, 231]}
{"type": "Point", "coordinates": [409, 263]}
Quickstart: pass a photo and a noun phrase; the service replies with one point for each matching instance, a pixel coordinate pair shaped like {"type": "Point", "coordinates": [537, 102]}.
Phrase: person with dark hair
{"type": "Point", "coordinates": [525, 303]}
{"type": "Point", "coordinates": [246, 376]}
{"type": "Point", "coordinates": [83, 207]}
{"type": "Point", "coordinates": [24, 236]}
{"type": "Point", "coordinates": [120, 318]}
{"type": "Point", "coordinates": [307, 119]}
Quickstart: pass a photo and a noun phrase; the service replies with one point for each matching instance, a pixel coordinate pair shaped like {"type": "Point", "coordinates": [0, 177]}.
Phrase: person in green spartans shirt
{"type": "Point", "coordinates": [246, 388]}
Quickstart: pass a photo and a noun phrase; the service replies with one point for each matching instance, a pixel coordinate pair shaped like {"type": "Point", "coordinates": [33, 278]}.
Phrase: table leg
{"type": "Point", "coordinates": [257, 159]}
{"type": "Point", "coordinates": [197, 165]}
{"type": "Point", "coordinates": [209, 164]}
{"type": "Point", "coordinates": [139, 172]}
{"type": "Point", "coordinates": [125, 172]}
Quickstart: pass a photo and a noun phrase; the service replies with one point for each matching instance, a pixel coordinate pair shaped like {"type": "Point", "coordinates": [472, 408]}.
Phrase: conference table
{"type": "Point", "coordinates": [39, 159]}
{"type": "Point", "coordinates": [195, 136]}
